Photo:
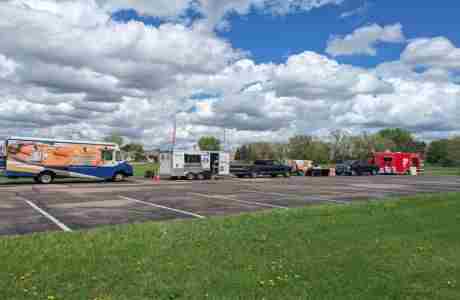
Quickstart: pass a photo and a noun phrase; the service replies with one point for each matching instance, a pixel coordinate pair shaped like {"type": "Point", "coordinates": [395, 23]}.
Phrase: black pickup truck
{"type": "Point", "coordinates": [260, 168]}
{"type": "Point", "coordinates": [356, 167]}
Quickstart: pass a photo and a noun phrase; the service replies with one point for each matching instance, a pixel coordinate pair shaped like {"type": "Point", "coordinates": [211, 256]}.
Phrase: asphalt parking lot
{"type": "Point", "coordinates": [27, 208]}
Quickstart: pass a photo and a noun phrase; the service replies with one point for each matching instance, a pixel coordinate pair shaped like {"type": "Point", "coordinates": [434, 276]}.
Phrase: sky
{"type": "Point", "coordinates": [260, 70]}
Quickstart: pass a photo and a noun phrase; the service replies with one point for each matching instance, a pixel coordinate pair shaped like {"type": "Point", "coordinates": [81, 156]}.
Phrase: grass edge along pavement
{"type": "Point", "coordinates": [398, 249]}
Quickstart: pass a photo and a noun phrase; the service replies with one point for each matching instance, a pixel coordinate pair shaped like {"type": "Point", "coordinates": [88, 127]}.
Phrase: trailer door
{"type": "Point", "coordinates": [224, 164]}
{"type": "Point", "coordinates": [178, 160]}
{"type": "Point", "coordinates": [2, 156]}
{"type": "Point", "coordinates": [165, 163]}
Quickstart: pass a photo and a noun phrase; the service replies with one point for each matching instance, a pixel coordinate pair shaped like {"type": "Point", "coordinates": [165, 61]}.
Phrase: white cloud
{"type": "Point", "coordinates": [364, 40]}
{"type": "Point", "coordinates": [312, 76]}
{"type": "Point", "coordinates": [157, 8]}
{"type": "Point", "coordinates": [438, 52]}
{"type": "Point", "coordinates": [67, 70]}
{"type": "Point", "coordinates": [7, 66]}
{"type": "Point", "coordinates": [215, 11]}
{"type": "Point", "coordinates": [361, 10]}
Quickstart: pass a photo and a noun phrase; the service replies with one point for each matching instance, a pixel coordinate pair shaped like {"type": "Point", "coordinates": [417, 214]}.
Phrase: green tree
{"type": "Point", "coordinates": [209, 143]}
{"type": "Point", "coordinates": [437, 152]}
{"type": "Point", "coordinates": [133, 147]}
{"type": "Point", "coordinates": [136, 149]}
{"type": "Point", "coordinates": [402, 139]}
{"type": "Point", "coordinates": [364, 145]}
{"type": "Point", "coordinates": [261, 150]}
{"type": "Point", "coordinates": [341, 145]}
{"type": "Point", "coordinates": [244, 153]}
{"type": "Point", "coordinates": [453, 152]}
{"type": "Point", "coordinates": [237, 154]}
{"type": "Point", "coordinates": [308, 148]}
{"type": "Point", "coordinates": [114, 138]}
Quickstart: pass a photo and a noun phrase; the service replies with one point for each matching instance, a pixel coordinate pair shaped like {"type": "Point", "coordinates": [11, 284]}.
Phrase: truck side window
{"type": "Point", "coordinates": [192, 159]}
{"type": "Point", "coordinates": [107, 155]}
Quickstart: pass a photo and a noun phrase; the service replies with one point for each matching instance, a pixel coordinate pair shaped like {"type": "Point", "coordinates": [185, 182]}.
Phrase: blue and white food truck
{"type": "Point", "coordinates": [47, 159]}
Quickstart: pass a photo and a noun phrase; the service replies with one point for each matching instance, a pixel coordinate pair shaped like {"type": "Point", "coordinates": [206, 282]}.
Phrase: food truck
{"type": "Point", "coordinates": [191, 165]}
{"type": "Point", "coordinates": [398, 163]}
{"type": "Point", "coordinates": [47, 159]}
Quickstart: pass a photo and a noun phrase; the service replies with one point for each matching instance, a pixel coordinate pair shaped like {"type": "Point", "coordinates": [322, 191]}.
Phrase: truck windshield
{"type": "Point", "coordinates": [2, 148]}
{"type": "Point", "coordinates": [118, 156]}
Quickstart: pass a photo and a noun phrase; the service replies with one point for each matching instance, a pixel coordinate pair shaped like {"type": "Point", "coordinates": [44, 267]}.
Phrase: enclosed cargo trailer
{"type": "Point", "coordinates": [194, 164]}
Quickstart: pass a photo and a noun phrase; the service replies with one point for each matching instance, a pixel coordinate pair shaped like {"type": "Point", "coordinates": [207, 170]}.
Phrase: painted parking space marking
{"type": "Point", "coordinates": [315, 198]}
{"type": "Point", "coordinates": [58, 223]}
{"type": "Point", "coordinates": [252, 203]}
{"type": "Point", "coordinates": [163, 207]}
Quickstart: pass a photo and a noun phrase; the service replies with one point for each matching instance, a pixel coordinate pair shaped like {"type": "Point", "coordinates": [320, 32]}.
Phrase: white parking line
{"type": "Point", "coordinates": [318, 198]}
{"type": "Point", "coordinates": [164, 207]}
{"type": "Point", "coordinates": [252, 203]}
{"type": "Point", "coordinates": [61, 225]}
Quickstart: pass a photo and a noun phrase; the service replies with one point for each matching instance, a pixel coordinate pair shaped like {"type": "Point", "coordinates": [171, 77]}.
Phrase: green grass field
{"type": "Point", "coordinates": [441, 171]}
{"type": "Point", "coordinates": [406, 249]}
{"type": "Point", "coordinates": [141, 168]}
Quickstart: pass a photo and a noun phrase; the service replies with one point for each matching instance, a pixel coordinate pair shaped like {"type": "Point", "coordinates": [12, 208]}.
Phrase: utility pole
{"type": "Point", "coordinates": [174, 133]}
{"type": "Point", "coordinates": [225, 139]}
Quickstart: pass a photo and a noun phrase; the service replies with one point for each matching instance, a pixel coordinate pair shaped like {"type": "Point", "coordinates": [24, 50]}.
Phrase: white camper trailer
{"type": "Point", "coordinates": [194, 164]}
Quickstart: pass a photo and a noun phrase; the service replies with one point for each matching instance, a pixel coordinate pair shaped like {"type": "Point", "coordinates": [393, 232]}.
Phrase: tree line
{"type": "Point", "coordinates": [338, 146]}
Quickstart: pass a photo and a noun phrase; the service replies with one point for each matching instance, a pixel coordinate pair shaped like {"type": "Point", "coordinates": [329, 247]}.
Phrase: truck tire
{"type": "Point", "coordinates": [45, 177]}
{"type": "Point", "coordinates": [190, 176]}
{"type": "Point", "coordinates": [200, 176]}
{"type": "Point", "coordinates": [118, 177]}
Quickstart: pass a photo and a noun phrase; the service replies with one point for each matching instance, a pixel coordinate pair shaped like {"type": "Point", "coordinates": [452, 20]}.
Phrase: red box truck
{"type": "Point", "coordinates": [397, 163]}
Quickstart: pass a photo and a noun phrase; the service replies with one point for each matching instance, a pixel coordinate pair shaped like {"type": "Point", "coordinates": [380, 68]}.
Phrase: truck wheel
{"type": "Point", "coordinates": [118, 177]}
{"type": "Point", "coordinates": [190, 176]}
{"type": "Point", "coordinates": [200, 176]}
{"type": "Point", "coordinates": [45, 178]}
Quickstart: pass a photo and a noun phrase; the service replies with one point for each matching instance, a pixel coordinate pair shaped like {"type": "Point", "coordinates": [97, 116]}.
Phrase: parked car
{"type": "Point", "coordinates": [260, 168]}
{"type": "Point", "coordinates": [356, 168]}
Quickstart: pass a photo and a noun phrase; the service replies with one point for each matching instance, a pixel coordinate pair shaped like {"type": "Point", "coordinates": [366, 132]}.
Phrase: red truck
{"type": "Point", "coordinates": [397, 163]}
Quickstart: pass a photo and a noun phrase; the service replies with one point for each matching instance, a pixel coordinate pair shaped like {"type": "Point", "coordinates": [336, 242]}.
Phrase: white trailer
{"type": "Point", "coordinates": [194, 164]}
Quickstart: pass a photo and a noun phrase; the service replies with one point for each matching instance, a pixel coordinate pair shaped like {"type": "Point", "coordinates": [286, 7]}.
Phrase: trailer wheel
{"type": "Point", "coordinates": [45, 178]}
{"type": "Point", "coordinates": [190, 176]}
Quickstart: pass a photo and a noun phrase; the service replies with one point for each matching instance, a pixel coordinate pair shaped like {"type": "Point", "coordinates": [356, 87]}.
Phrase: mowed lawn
{"type": "Point", "coordinates": [433, 170]}
{"type": "Point", "coordinates": [407, 249]}
{"type": "Point", "coordinates": [141, 168]}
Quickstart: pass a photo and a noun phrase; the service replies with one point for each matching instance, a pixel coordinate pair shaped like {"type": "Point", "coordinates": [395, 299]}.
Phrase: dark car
{"type": "Point", "coordinates": [356, 168]}
{"type": "Point", "coordinates": [260, 168]}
